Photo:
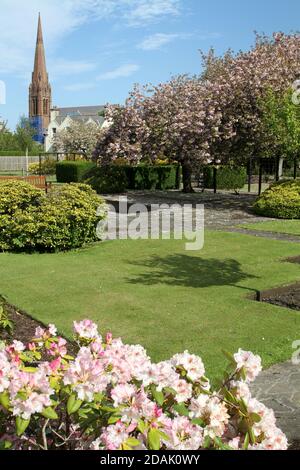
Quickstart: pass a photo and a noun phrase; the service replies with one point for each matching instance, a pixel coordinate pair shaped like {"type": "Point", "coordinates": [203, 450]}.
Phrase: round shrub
{"type": "Point", "coordinates": [281, 200]}
{"type": "Point", "coordinates": [66, 218]}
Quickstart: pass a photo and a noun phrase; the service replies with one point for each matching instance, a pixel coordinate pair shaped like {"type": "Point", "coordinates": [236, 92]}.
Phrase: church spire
{"type": "Point", "coordinates": [40, 90]}
{"type": "Point", "coordinates": [40, 70]}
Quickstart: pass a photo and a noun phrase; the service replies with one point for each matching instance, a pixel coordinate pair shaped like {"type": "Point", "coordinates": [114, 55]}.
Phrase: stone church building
{"type": "Point", "coordinates": [48, 120]}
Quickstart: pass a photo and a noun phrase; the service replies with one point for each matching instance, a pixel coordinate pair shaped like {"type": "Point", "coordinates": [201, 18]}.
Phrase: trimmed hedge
{"type": "Point", "coordinates": [72, 172]}
{"type": "Point", "coordinates": [118, 178]}
{"type": "Point", "coordinates": [227, 177]}
{"type": "Point", "coordinates": [17, 153]}
{"type": "Point", "coordinates": [281, 200]}
{"type": "Point", "coordinates": [108, 179]}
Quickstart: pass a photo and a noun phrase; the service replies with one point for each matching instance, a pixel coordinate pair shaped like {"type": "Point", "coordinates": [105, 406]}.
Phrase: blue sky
{"type": "Point", "coordinates": [97, 49]}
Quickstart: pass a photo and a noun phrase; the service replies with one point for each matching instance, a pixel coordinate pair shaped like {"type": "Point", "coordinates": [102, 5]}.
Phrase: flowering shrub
{"type": "Point", "coordinates": [111, 396]}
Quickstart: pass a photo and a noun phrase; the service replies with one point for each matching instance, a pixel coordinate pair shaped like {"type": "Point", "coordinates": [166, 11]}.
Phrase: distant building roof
{"type": "Point", "coordinates": [81, 110]}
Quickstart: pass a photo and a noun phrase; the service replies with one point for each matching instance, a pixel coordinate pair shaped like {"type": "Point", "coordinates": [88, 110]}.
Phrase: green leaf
{"type": "Point", "coordinates": [5, 445]}
{"type": "Point", "coordinates": [170, 391]}
{"type": "Point", "coordinates": [207, 442]}
{"type": "Point", "coordinates": [132, 442]}
{"type": "Point", "coordinates": [49, 413]}
{"type": "Point", "coordinates": [181, 409]}
{"type": "Point", "coordinates": [73, 404]}
{"type": "Point", "coordinates": [29, 369]}
{"type": "Point", "coordinates": [229, 356]}
{"type": "Point", "coordinates": [252, 436]}
{"type": "Point", "coordinates": [246, 442]}
{"type": "Point", "coordinates": [158, 396]}
{"type": "Point", "coordinates": [21, 425]}
{"type": "Point", "coordinates": [198, 422]}
{"type": "Point", "coordinates": [153, 439]}
{"type": "Point", "coordinates": [5, 400]}
{"type": "Point", "coordinates": [141, 426]}
{"type": "Point", "coordinates": [113, 419]}
{"type": "Point", "coordinates": [255, 417]}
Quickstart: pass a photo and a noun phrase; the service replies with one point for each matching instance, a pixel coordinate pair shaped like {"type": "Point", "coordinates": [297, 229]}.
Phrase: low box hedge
{"type": "Point", "coordinates": [118, 178]}
{"type": "Point", "coordinates": [72, 172]}
{"type": "Point", "coordinates": [228, 177]}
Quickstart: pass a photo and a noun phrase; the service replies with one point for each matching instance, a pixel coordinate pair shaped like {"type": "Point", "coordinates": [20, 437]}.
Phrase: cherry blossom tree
{"type": "Point", "coordinates": [212, 118]}
{"type": "Point", "coordinates": [79, 137]}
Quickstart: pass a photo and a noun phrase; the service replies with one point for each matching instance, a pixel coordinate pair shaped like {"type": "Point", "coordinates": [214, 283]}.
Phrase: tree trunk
{"type": "Point", "coordinates": [187, 177]}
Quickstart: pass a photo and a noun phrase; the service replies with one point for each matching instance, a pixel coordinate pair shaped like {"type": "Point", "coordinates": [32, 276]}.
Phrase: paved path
{"type": "Point", "coordinates": [279, 388]}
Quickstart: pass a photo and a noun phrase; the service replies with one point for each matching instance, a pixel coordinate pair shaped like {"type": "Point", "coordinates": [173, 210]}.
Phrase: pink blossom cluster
{"type": "Point", "coordinates": [116, 398]}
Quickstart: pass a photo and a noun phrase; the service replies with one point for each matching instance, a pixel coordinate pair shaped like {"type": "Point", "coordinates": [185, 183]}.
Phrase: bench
{"type": "Point", "coordinates": [39, 182]}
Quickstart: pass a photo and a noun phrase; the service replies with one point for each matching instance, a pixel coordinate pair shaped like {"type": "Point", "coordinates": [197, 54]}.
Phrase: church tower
{"type": "Point", "coordinates": [40, 90]}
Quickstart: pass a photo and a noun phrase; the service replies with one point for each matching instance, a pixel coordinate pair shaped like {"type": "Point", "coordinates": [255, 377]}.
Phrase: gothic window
{"type": "Point", "coordinates": [45, 106]}
{"type": "Point", "coordinates": [35, 106]}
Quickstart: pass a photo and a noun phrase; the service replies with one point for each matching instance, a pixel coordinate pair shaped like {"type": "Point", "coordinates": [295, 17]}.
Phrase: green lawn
{"type": "Point", "coordinates": [291, 227]}
{"type": "Point", "coordinates": [157, 294]}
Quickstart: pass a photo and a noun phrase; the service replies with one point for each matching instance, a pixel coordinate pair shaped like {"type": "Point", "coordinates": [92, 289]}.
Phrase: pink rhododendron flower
{"type": "Point", "coordinates": [213, 412]}
{"type": "Point", "coordinates": [183, 435]}
{"type": "Point", "coordinates": [192, 364]}
{"type": "Point", "coordinates": [86, 329]}
{"type": "Point", "coordinates": [36, 390]}
{"type": "Point", "coordinates": [86, 375]}
{"type": "Point", "coordinates": [122, 394]}
{"type": "Point", "coordinates": [58, 348]}
{"type": "Point", "coordinates": [249, 362]}
{"type": "Point", "coordinates": [114, 436]}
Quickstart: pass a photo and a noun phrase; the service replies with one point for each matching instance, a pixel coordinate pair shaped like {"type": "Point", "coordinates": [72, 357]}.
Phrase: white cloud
{"type": "Point", "coordinates": [18, 23]}
{"type": "Point", "coordinates": [156, 41]}
{"type": "Point", "coordinates": [80, 86]}
{"type": "Point", "coordinates": [151, 10]}
{"type": "Point", "coordinates": [70, 67]}
{"type": "Point", "coordinates": [120, 72]}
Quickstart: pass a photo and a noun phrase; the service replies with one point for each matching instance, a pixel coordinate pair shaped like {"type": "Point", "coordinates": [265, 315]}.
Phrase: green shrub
{"type": "Point", "coordinates": [227, 177]}
{"type": "Point", "coordinates": [47, 167]}
{"type": "Point", "coordinates": [281, 200]}
{"type": "Point", "coordinates": [72, 172]}
{"type": "Point", "coordinates": [108, 179]}
{"type": "Point", "coordinates": [16, 195]}
{"type": "Point", "coordinates": [118, 178]}
{"type": "Point", "coordinates": [66, 218]}
{"type": "Point", "coordinates": [161, 177]}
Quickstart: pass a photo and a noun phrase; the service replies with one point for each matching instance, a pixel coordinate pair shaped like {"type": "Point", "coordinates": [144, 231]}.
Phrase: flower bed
{"type": "Point", "coordinates": [110, 396]}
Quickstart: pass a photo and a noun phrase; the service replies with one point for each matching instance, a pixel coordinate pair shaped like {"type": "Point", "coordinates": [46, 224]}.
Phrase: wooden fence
{"type": "Point", "coordinates": [16, 163]}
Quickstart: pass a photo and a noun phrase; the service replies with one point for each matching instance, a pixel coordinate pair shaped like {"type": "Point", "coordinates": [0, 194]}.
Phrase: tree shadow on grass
{"type": "Point", "coordinates": [191, 271]}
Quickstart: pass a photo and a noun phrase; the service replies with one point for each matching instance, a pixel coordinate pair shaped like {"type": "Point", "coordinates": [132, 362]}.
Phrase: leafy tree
{"type": "Point", "coordinates": [281, 121]}
{"type": "Point", "coordinates": [24, 136]}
